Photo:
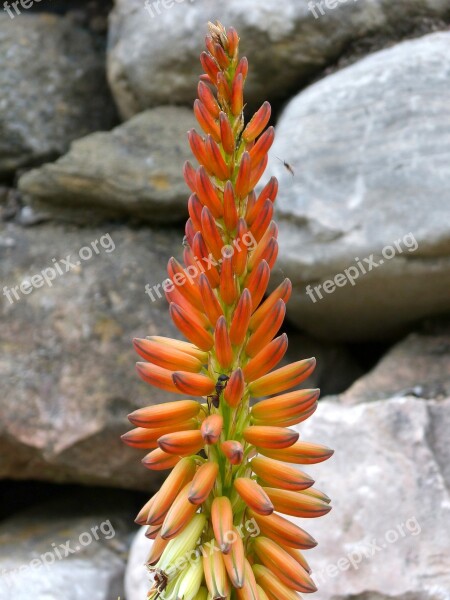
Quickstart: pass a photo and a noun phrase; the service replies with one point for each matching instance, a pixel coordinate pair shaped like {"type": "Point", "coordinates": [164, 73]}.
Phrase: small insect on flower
{"type": "Point", "coordinates": [287, 166]}
{"type": "Point", "coordinates": [221, 384]}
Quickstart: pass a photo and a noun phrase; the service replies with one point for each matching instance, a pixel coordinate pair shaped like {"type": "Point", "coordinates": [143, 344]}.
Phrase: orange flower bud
{"type": "Point", "coordinates": [233, 41]}
{"type": "Point", "coordinates": [266, 359]}
{"type": "Point", "coordinates": [282, 530]}
{"type": "Point", "coordinates": [258, 171]}
{"type": "Point", "coordinates": [226, 134]}
{"type": "Point", "coordinates": [272, 585]}
{"type": "Point", "coordinates": [203, 483]}
{"type": "Point", "coordinates": [209, 65]}
{"type": "Point", "coordinates": [283, 292]}
{"type": "Point", "coordinates": [298, 556]}
{"type": "Point", "coordinates": [189, 174]}
{"type": "Point", "coordinates": [242, 68]}
{"type": "Point", "coordinates": [164, 415]}
{"type": "Point", "coordinates": [195, 210]}
{"type": "Point", "coordinates": [270, 437]}
{"type": "Point", "coordinates": [235, 560]}
{"type": "Point", "coordinates": [201, 251]}
{"type": "Point", "coordinates": [242, 186]}
{"type": "Point", "coordinates": [206, 120]}
{"type": "Point", "coordinates": [302, 453]}
{"type": "Point", "coordinates": [222, 343]}
{"type": "Point", "coordinates": [223, 89]}
{"type": "Point", "coordinates": [152, 531]}
{"type": "Point", "coordinates": [198, 147]}
{"type": "Point", "coordinates": [181, 443]}
{"type": "Point", "coordinates": [190, 231]}
{"type": "Point", "coordinates": [285, 406]}
{"type": "Point", "coordinates": [212, 305]}
{"type": "Point", "coordinates": [142, 516]}
{"type": "Point", "coordinates": [186, 347]}
{"type": "Point", "coordinates": [257, 283]}
{"type": "Point", "coordinates": [186, 287]}
{"type": "Point", "coordinates": [239, 258]}
{"type": "Point", "coordinates": [287, 569]}
{"type": "Point", "coordinates": [207, 193]}
{"type": "Point", "coordinates": [262, 221]}
{"type": "Point", "coordinates": [267, 250]}
{"type": "Point", "coordinates": [237, 95]}
{"type": "Point", "coordinates": [241, 318]}
{"type": "Point", "coordinates": [262, 336]}
{"type": "Point", "coordinates": [174, 296]}
{"type": "Point", "coordinates": [211, 233]}
{"type": "Point", "coordinates": [166, 357]}
{"type": "Point", "coordinates": [276, 474]}
{"type": "Point", "coordinates": [221, 57]}
{"type": "Point", "coordinates": [253, 495]}
{"type": "Point", "coordinates": [262, 146]}
{"type": "Point", "coordinates": [258, 123]}
{"type": "Point", "coordinates": [181, 475]}
{"type": "Point", "coordinates": [233, 450]}
{"type": "Point", "coordinates": [157, 376]}
{"type": "Point", "coordinates": [228, 288]}
{"type": "Point", "coordinates": [191, 327]}
{"type": "Point", "coordinates": [230, 214]}
{"type": "Point", "coordinates": [284, 378]}
{"type": "Point", "coordinates": [250, 589]}
{"type": "Point", "coordinates": [235, 388]}
{"type": "Point", "coordinates": [158, 460]}
{"type": "Point", "coordinates": [215, 573]}
{"type": "Point", "coordinates": [220, 167]}
{"type": "Point", "coordinates": [158, 547]}
{"type": "Point", "coordinates": [148, 438]}
{"type": "Point", "coordinates": [314, 493]}
{"type": "Point", "coordinates": [212, 428]}
{"type": "Point", "coordinates": [179, 516]}
{"type": "Point", "coordinates": [222, 522]}
{"type": "Point", "coordinates": [193, 384]}
{"type": "Point", "coordinates": [296, 504]}
{"type": "Point", "coordinates": [207, 98]}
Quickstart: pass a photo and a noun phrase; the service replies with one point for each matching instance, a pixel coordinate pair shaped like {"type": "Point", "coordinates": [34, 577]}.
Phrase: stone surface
{"type": "Point", "coordinates": [53, 88]}
{"type": "Point", "coordinates": [71, 550]}
{"type": "Point", "coordinates": [370, 146]}
{"type": "Point", "coordinates": [135, 171]}
{"type": "Point", "coordinates": [154, 46]}
{"type": "Point", "coordinates": [419, 365]}
{"type": "Point", "coordinates": [386, 536]}
{"type": "Point", "coordinates": [137, 581]}
{"type": "Point", "coordinates": [67, 363]}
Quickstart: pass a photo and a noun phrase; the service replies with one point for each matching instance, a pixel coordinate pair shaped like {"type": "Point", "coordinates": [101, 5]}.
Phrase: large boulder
{"type": "Point", "coordinates": [67, 363]}
{"type": "Point", "coordinates": [419, 365]}
{"type": "Point", "coordinates": [72, 549]}
{"type": "Point", "coordinates": [53, 86]}
{"type": "Point", "coordinates": [380, 541]}
{"type": "Point", "coordinates": [154, 46]}
{"type": "Point", "coordinates": [366, 215]}
{"type": "Point", "coordinates": [136, 170]}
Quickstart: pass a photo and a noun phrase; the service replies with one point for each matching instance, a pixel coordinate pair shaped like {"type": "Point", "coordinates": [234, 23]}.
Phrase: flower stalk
{"type": "Point", "coordinates": [228, 460]}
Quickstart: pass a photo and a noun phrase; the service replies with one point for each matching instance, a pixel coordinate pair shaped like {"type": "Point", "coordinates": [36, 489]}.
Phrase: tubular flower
{"type": "Point", "coordinates": [232, 465]}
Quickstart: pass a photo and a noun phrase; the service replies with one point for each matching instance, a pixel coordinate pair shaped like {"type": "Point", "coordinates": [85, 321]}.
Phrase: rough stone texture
{"type": "Point", "coordinates": [419, 365]}
{"type": "Point", "coordinates": [67, 363]}
{"type": "Point", "coordinates": [153, 60]}
{"type": "Point", "coordinates": [136, 170]}
{"type": "Point", "coordinates": [391, 503]}
{"type": "Point", "coordinates": [79, 570]}
{"type": "Point", "coordinates": [53, 88]}
{"type": "Point", "coordinates": [371, 149]}
{"type": "Point", "coordinates": [137, 580]}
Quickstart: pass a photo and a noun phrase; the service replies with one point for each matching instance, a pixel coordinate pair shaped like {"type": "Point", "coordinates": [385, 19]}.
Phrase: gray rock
{"type": "Point", "coordinates": [370, 146]}
{"type": "Point", "coordinates": [154, 46]}
{"type": "Point", "coordinates": [67, 550]}
{"type": "Point", "coordinates": [137, 581]}
{"type": "Point", "coordinates": [67, 362]}
{"type": "Point", "coordinates": [419, 365]}
{"type": "Point", "coordinates": [136, 171]}
{"type": "Point", "coordinates": [385, 537]}
{"type": "Point", "coordinates": [53, 88]}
